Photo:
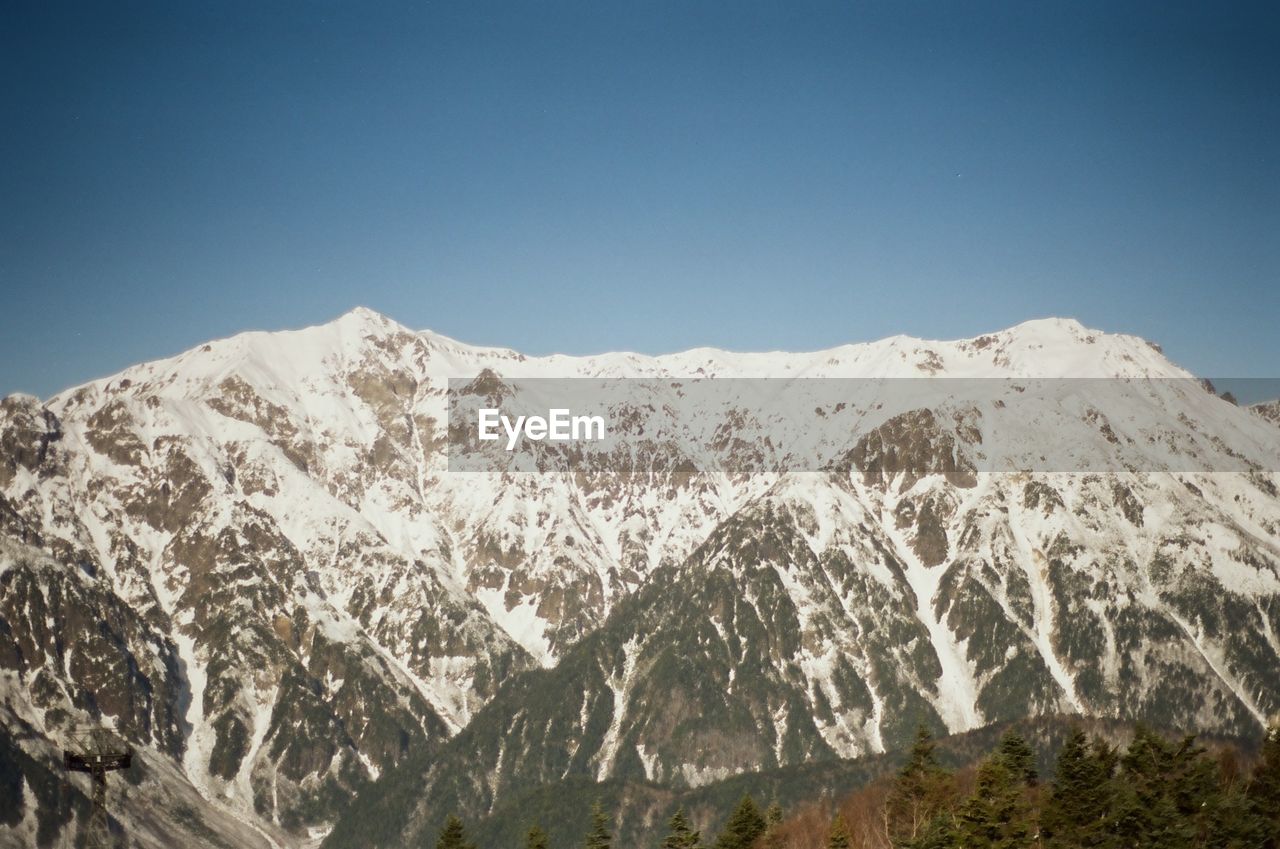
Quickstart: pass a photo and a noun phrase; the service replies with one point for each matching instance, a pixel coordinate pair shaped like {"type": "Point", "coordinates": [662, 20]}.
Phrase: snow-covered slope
{"type": "Point", "coordinates": [319, 596]}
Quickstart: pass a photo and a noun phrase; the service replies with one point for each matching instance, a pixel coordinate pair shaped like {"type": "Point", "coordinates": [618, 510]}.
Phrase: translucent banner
{"type": "Point", "coordinates": [875, 426]}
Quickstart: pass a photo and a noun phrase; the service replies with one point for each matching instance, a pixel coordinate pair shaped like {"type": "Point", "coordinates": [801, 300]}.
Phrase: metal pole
{"type": "Point", "coordinates": [97, 757]}
{"type": "Point", "coordinates": [99, 832]}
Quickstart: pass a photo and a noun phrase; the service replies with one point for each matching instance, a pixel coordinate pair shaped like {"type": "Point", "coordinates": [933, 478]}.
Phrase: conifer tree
{"type": "Point", "coordinates": [1078, 812]}
{"type": "Point", "coordinates": [536, 838]}
{"type": "Point", "coordinates": [772, 838]}
{"type": "Point", "coordinates": [680, 835]}
{"type": "Point", "coordinates": [744, 826]}
{"type": "Point", "coordinates": [598, 837]}
{"type": "Point", "coordinates": [452, 836]}
{"type": "Point", "coordinates": [1234, 823]}
{"type": "Point", "coordinates": [939, 833]}
{"type": "Point", "coordinates": [1018, 757]}
{"type": "Point", "coordinates": [998, 815]}
{"type": "Point", "coordinates": [1107, 756]}
{"type": "Point", "coordinates": [1144, 812]}
{"type": "Point", "coordinates": [838, 837]}
{"type": "Point", "coordinates": [920, 792]}
{"type": "Point", "coordinates": [1264, 788]}
{"type": "Point", "coordinates": [1164, 793]}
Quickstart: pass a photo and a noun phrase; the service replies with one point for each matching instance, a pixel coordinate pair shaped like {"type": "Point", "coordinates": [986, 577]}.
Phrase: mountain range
{"type": "Point", "coordinates": [254, 563]}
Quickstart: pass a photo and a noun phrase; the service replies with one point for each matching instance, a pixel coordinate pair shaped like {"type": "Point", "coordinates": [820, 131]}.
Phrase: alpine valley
{"type": "Point", "coordinates": [252, 562]}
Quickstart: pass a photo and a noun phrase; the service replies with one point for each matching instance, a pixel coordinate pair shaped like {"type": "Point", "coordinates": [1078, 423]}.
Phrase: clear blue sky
{"type": "Point", "coordinates": [591, 176]}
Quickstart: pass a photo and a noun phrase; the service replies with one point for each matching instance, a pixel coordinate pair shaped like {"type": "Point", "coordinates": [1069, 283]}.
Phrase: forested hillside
{"type": "Point", "coordinates": [1154, 790]}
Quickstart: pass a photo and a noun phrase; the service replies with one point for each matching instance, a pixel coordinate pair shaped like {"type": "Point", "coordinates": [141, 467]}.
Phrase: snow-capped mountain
{"type": "Point", "coordinates": [253, 561]}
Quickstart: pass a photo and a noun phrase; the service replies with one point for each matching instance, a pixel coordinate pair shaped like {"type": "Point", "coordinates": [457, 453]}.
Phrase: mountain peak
{"type": "Point", "coordinates": [1051, 324]}
{"type": "Point", "coordinates": [364, 317]}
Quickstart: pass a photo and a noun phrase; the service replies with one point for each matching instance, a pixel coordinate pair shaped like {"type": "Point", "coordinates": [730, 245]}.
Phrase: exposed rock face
{"type": "Point", "coordinates": [25, 443]}
{"type": "Point", "coordinates": [77, 648]}
{"type": "Point", "coordinates": [908, 447]}
{"type": "Point", "coordinates": [253, 561]}
{"type": "Point", "coordinates": [1269, 410]}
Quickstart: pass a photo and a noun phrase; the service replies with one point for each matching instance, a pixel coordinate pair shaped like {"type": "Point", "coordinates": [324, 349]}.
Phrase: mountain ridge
{"type": "Point", "coordinates": [361, 322]}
